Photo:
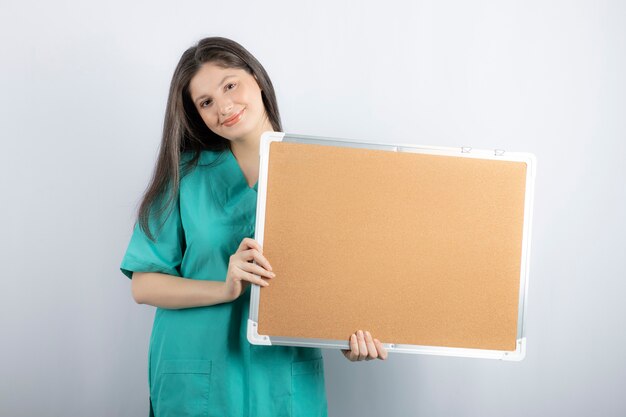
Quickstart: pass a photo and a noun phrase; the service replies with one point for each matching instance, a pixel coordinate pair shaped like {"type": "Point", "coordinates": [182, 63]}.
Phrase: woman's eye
{"type": "Point", "coordinates": [206, 103]}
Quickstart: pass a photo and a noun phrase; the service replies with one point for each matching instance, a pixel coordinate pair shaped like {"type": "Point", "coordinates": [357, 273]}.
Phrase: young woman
{"type": "Point", "coordinates": [191, 253]}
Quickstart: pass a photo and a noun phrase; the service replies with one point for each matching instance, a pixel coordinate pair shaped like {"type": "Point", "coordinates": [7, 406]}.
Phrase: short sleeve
{"type": "Point", "coordinates": [164, 254]}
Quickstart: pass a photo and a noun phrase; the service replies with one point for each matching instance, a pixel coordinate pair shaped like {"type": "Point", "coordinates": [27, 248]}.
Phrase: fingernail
{"type": "Point", "coordinates": [368, 334]}
{"type": "Point", "coordinates": [273, 274]}
{"type": "Point", "coordinates": [361, 333]}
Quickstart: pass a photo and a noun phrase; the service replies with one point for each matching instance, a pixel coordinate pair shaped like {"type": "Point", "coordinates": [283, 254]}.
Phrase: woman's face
{"type": "Point", "coordinates": [230, 103]}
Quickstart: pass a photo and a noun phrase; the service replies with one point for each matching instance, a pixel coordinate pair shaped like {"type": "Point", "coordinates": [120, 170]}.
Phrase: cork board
{"type": "Point", "coordinates": [419, 249]}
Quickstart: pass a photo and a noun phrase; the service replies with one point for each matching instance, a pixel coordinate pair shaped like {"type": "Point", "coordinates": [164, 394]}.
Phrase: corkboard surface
{"type": "Point", "coordinates": [418, 249]}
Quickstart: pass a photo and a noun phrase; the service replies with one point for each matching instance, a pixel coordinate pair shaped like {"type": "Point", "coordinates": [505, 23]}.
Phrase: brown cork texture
{"type": "Point", "coordinates": [418, 249]}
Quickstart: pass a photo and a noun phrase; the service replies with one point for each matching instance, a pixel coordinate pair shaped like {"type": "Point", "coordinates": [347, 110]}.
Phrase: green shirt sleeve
{"type": "Point", "coordinates": [165, 253]}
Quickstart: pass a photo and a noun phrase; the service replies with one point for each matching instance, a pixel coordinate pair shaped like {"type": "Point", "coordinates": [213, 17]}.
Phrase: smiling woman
{"type": "Point", "coordinates": [198, 265]}
{"type": "Point", "coordinates": [191, 252]}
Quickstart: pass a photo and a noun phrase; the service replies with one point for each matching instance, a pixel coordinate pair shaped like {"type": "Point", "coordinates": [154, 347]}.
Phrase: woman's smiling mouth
{"type": "Point", "coordinates": [233, 120]}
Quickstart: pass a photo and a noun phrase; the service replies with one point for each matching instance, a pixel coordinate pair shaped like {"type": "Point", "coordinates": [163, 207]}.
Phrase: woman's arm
{"type": "Point", "coordinates": [172, 292]}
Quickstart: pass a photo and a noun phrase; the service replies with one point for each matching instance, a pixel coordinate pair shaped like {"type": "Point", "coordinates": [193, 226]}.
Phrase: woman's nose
{"type": "Point", "coordinates": [226, 107]}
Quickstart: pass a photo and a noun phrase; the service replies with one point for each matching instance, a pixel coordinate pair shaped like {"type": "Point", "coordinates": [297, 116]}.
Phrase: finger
{"type": "Point", "coordinates": [354, 348]}
{"type": "Point", "coordinates": [362, 345]}
{"type": "Point", "coordinates": [254, 254]}
{"type": "Point", "coordinates": [371, 347]}
{"type": "Point", "coordinates": [262, 260]}
{"type": "Point", "coordinates": [246, 243]}
{"type": "Point", "coordinates": [249, 243]}
{"type": "Point", "coordinates": [256, 269]}
{"type": "Point", "coordinates": [382, 352]}
{"type": "Point", "coordinates": [255, 279]}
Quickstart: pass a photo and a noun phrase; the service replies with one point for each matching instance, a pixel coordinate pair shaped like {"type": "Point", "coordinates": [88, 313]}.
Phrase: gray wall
{"type": "Point", "coordinates": [83, 92]}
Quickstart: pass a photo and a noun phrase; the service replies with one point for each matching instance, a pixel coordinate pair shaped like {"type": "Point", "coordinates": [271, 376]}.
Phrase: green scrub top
{"type": "Point", "coordinates": [200, 360]}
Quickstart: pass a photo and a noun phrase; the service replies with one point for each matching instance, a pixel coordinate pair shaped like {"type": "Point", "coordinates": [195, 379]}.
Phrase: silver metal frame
{"type": "Point", "coordinates": [465, 152]}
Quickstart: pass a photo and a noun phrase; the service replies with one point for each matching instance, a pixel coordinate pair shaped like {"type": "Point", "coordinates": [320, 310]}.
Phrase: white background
{"type": "Point", "coordinates": [82, 99]}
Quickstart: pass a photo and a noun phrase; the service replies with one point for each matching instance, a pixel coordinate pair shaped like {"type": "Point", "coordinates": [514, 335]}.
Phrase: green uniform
{"type": "Point", "coordinates": [200, 360]}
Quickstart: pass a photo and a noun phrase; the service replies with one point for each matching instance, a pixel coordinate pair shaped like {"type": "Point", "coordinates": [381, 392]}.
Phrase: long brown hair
{"type": "Point", "coordinates": [183, 128]}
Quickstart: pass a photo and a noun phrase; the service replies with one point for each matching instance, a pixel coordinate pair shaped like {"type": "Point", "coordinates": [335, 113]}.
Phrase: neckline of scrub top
{"type": "Point", "coordinates": [243, 177]}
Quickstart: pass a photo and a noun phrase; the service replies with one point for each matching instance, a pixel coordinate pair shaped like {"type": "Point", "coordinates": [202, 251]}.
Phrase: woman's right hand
{"type": "Point", "coordinates": [242, 271]}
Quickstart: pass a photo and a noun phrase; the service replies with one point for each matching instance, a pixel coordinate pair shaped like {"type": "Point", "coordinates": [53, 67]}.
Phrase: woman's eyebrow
{"type": "Point", "coordinates": [221, 82]}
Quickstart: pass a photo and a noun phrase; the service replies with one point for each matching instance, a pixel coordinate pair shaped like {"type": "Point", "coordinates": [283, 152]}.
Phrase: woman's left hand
{"type": "Point", "coordinates": [364, 347]}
